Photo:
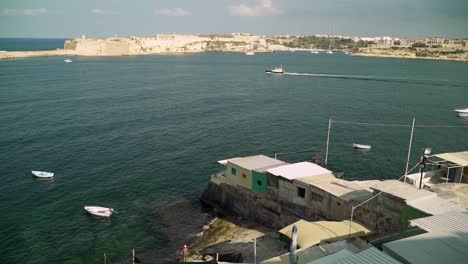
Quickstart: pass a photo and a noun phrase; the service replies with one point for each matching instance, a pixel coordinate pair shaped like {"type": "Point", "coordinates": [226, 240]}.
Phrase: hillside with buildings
{"type": "Point", "coordinates": [428, 48]}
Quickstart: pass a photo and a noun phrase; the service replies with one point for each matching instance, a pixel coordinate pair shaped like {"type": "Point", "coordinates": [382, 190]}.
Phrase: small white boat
{"type": "Point", "coordinates": [329, 52]}
{"type": "Point", "coordinates": [67, 60]}
{"type": "Point", "coordinates": [250, 53]}
{"type": "Point", "coordinates": [99, 211]}
{"type": "Point", "coordinates": [277, 70]}
{"type": "Point", "coordinates": [461, 112]}
{"type": "Point", "coordinates": [43, 174]}
{"type": "Point", "coordinates": [360, 146]}
{"type": "Point", "coordinates": [314, 52]}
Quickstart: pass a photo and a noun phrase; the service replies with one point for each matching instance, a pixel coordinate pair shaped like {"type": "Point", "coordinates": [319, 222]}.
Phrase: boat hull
{"type": "Point", "coordinates": [99, 211]}
{"type": "Point", "coordinates": [360, 146]}
{"type": "Point", "coordinates": [273, 72]}
{"type": "Point", "coordinates": [42, 174]}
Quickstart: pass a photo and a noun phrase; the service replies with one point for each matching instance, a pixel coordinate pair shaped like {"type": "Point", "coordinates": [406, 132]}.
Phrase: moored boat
{"type": "Point", "coordinates": [250, 53]}
{"type": "Point", "coordinates": [99, 210]}
{"type": "Point", "coordinates": [361, 146]}
{"type": "Point", "coordinates": [43, 174]}
{"type": "Point", "coordinates": [68, 60]}
{"type": "Point", "coordinates": [461, 112]}
{"type": "Point", "coordinates": [276, 70]}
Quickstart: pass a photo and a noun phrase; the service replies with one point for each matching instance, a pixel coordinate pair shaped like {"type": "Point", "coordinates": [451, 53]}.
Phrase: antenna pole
{"type": "Point", "coordinates": [133, 256]}
{"type": "Point", "coordinates": [409, 148]}
{"type": "Point", "coordinates": [255, 250]}
{"type": "Point", "coordinates": [328, 139]}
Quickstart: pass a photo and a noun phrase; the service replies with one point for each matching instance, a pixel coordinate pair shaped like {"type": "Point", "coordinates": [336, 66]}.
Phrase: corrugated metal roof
{"type": "Point", "coordinates": [434, 205]}
{"type": "Point", "coordinates": [333, 258]}
{"type": "Point", "coordinates": [459, 158]}
{"type": "Point", "coordinates": [429, 248]}
{"type": "Point", "coordinates": [369, 256]}
{"type": "Point", "coordinates": [454, 223]}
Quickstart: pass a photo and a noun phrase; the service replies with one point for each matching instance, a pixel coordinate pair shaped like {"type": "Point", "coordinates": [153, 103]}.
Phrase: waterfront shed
{"type": "Point", "coordinates": [249, 172]}
{"type": "Point", "coordinates": [283, 179]}
{"type": "Point", "coordinates": [455, 165]}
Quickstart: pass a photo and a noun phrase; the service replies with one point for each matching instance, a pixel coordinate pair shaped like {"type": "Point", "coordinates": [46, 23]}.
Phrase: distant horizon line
{"type": "Point", "coordinates": [292, 35]}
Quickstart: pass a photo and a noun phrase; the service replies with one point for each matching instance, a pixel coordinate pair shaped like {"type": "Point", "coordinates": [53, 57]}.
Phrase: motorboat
{"type": "Point", "coordinates": [276, 70]}
{"type": "Point", "coordinates": [67, 60]}
{"type": "Point", "coordinates": [360, 146]}
{"type": "Point", "coordinates": [250, 53]}
{"type": "Point", "coordinates": [99, 211]}
{"type": "Point", "coordinates": [329, 52]}
{"type": "Point", "coordinates": [314, 52]}
{"type": "Point", "coordinates": [43, 174]}
{"type": "Point", "coordinates": [461, 112]}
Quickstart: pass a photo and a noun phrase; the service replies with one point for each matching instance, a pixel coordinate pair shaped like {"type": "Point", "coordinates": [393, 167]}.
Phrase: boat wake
{"type": "Point", "coordinates": [382, 79]}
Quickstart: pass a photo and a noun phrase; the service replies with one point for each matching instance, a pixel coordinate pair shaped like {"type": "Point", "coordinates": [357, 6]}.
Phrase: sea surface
{"type": "Point", "coordinates": [142, 135]}
{"type": "Point", "coordinates": [25, 44]}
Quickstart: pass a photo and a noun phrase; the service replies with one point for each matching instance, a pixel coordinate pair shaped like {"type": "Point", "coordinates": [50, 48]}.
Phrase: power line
{"type": "Point", "coordinates": [396, 125]}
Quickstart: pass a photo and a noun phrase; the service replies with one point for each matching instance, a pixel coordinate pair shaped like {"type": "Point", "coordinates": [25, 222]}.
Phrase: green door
{"type": "Point", "coordinates": [259, 182]}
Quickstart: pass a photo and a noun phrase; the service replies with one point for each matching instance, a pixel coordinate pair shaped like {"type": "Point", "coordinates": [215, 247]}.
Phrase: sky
{"type": "Point", "coordinates": [105, 18]}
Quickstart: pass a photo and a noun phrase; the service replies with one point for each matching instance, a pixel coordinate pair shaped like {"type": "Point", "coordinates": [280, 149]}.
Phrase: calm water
{"type": "Point", "coordinates": [142, 134]}
{"type": "Point", "coordinates": [24, 44]}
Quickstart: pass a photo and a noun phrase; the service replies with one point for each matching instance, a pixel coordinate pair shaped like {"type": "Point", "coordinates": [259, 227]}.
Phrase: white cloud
{"type": "Point", "coordinates": [172, 12]}
{"type": "Point", "coordinates": [104, 12]}
{"type": "Point", "coordinates": [262, 8]}
{"type": "Point", "coordinates": [24, 12]}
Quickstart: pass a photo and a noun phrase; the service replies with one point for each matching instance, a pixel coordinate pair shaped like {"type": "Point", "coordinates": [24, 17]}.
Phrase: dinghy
{"type": "Point", "coordinates": [461, 112]}
{"type": "Point", "coordinates": [99, 211]}
{"type": "Point", "coordinates": [67, 60]}
{"type": "Point", "coordinates": [43, 174]}
{"type": "Point", "coordinates": [360, 146]}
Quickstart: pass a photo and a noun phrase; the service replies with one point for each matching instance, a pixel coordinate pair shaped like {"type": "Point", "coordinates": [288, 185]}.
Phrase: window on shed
{"type": "Point", "coordinates": [233, 171]}
{"type": "Point", "coordinates": [259, 182]}
{"type": "Point", "coordinates": [301, 192]}
{"type": "Point", "coordinates": [244, 175]}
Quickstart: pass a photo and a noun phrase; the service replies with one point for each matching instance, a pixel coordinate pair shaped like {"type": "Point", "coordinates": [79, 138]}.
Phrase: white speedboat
{"type": "Point", "coordinates": [67, 60]}
{"type": "Point", "coordinates": [250, 53]}
{"type": "Point", "coordinates": [314, 52]}
{"type": "Point", "coordinates": [462, 112]}
{"type": "Point", "coordinates": [329, 52]}
{"type": "Point", "coordinates": [360, 146]}
{"type": "Point", "coordinates": [43, 174]}
{"type": "Point", "coordinates": [99, 211]}
{"type": "Point", "coordinates": [276, 70]}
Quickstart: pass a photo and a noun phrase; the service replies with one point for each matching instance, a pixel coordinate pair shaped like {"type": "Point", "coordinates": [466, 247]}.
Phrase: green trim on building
{"type": "Point", "coordinates": [259, 182]}
{"type": "Point", "coordinates": [233, 171]}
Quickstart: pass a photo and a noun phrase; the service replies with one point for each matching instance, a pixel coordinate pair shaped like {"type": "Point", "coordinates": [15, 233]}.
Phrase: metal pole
{"type": "Point", "coordinates": [409, 148]}
{"type": "Point", "coordinates": [350, 222]}
{"type": "Point", "coordinates": [275, 155]}
{"type": "Point", "coordinates": [328, 140]}
{"type": "Point", "coordinates": [133, 256]}
{"type": "Point", "coordinates": [421, 166]}
{"type": "Point", "coordinates": [255, 250]}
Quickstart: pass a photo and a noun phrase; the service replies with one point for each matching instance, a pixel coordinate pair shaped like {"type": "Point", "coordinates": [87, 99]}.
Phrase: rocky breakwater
{"type": "Point", "coordinates": [30, 54]}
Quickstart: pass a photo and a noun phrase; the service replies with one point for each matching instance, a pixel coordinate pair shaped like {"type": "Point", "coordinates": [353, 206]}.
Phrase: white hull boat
{"type": "Point", "coordinates": [250, 53]}
{"type": "Point", "coordinates": [360, 146]}
{"type": "Point", "coordinates": [277, 70]}
{"type": "Point", "coordinates": [99, 211]}
{"type": "Point", "coordinates": [462, 112]}
{"type": "Point", "coordinates": [68, 61]}
{"type": "Point", "coordinates": [43, 174]}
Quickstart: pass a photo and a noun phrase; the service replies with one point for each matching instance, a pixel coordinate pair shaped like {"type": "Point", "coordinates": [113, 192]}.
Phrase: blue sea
{"type": "Point", "coordinates": [142, 134]}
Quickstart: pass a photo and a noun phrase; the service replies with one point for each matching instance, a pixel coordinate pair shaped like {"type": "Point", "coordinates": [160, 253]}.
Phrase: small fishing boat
{"type": "Point", "coordinates": [43, 174]}
{"type": "Point", "coordinates": [360, 146]}
{"type": "Point", "coordinates": [67, 60]}
{"type": "Point", "coordinates": [329, 52]}
{"type": "Point", "coordinates": [277, 70]}
{"type": "Point", "coordinates": [461, 112]}
{"type": "Point", "coordinates": [99, 211]}
{"type": "Point", "coordinates": [250, 53]}
{"type": "Point", "coordinates": [314, 52]}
